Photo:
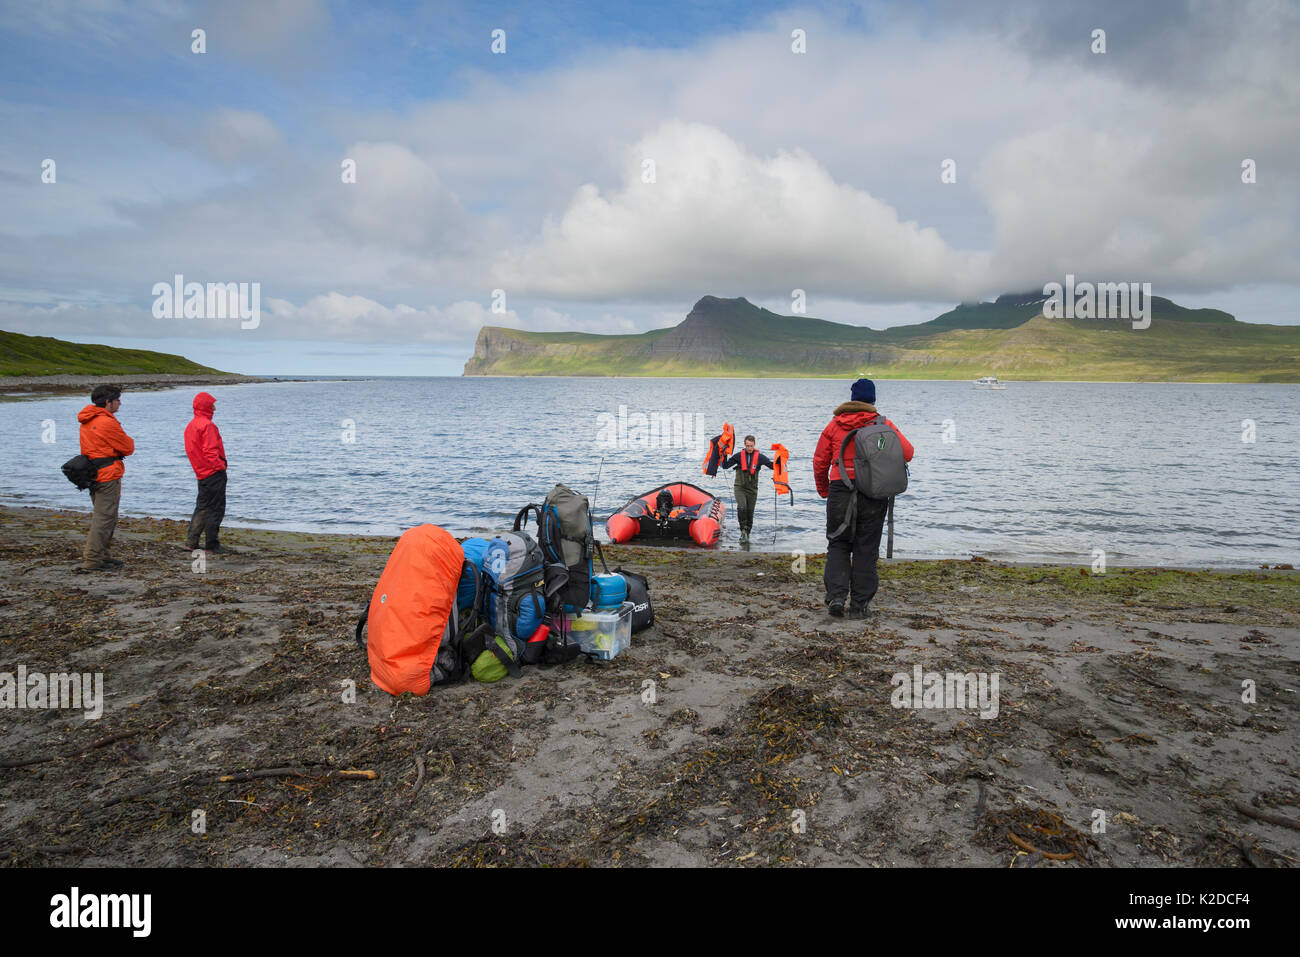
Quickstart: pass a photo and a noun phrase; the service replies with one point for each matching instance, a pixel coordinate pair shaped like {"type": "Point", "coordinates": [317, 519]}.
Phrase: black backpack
{"type": "Point", "coordinates": [81, 471]}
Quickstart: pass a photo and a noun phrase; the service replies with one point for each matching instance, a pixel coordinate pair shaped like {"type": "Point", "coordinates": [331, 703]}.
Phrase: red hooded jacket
{"type": "Point", "coordinates": [203, 439]}
{"type": "Point", "coordinates": [102, 436]}
{"type": "Point", "coordinates": [848, 416]}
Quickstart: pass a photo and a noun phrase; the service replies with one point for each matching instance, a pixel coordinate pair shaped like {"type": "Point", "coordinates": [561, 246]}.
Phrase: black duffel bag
{"type": "Point", "coordinates": [638, 593]}
{"type": "Point", "coordinates": [81, 471]}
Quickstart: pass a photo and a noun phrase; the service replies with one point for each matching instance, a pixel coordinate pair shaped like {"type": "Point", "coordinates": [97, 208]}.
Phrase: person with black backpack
{"type": "Point", "coordinates": [874, 454]}
{"type": "Point", "coordinates": [105, 443]}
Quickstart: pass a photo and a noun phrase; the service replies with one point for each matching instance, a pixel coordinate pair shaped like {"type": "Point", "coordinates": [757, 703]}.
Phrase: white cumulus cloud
{"type": "Point", "coordinates": [397, 199]}
{"type": "Point", "coordinates": [719, 214]}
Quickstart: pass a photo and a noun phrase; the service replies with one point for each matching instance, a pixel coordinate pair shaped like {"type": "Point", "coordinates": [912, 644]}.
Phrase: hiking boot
{"type": "Point", "coordinates": [114, 562]}
{"type": "Point", "coordinates": [221, 550]}
{"type": "Point", "coordinates": [97, 567]}
{"type": "Point", "coordinates": [860, 614]}
{"type": "Point", "coordinates": [836, 608]}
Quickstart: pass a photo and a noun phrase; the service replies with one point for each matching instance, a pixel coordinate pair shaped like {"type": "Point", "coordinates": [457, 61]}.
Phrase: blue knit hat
{"type": "Point", "coordinates": [864, 390]}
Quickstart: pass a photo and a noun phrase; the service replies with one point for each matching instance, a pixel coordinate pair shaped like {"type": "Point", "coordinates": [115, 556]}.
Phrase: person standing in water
{"type": "Point", "coordinates": [851, 557]}
{"type": "Point", "coordinates": [747, 461]}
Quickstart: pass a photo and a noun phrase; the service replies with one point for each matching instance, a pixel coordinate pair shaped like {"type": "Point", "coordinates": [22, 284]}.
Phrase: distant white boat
{"type": "Point", "coordinates": [989, 382]}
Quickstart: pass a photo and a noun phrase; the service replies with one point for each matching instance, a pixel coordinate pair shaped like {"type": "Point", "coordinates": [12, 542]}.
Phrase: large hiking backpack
{"type": "Point", "coordinates": [513, 571]}
{"type": "Point", "coordinates": [879, 467]}
{"type": "Point", "coordinates": [567, 543]}
{"type": "Point", "coordinates": [412, 632]}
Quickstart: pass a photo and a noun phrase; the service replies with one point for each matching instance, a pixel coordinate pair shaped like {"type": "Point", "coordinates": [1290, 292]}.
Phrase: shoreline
{"type": "Point", "coordinates": [976, 557]}
{"type": "Point", "coordinates": [1120, 693]}
{"type": "Point", "coordinates": [60, 383]}
{"type": "Point", "coordinates": [76, 382]}
{"type": "Point", "coordinates": [874, 377]}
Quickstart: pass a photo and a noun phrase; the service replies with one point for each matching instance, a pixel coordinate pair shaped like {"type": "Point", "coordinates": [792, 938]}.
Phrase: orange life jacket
{"type": "Point", "coordinates": [749, 461]}
{"type": "Point", "coordinates": [719, 448]}
{"type": "Point", "coordinates": [780, 474]}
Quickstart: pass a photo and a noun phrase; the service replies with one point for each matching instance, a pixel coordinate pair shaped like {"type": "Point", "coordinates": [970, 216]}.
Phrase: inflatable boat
{"type": "Point", "coordinates": [679, 510]}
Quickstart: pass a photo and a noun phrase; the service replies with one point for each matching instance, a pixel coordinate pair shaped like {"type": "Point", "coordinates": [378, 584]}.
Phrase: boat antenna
{"type": "Point", "coordinates": [596, 495]}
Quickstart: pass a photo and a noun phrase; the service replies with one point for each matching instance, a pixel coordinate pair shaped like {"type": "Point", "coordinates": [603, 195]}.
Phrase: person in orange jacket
{"type": "Point", "coordinates": [102, 437]}
{"type": "Point", "coordinates": [207, 455]}
{"type": "Point", "coordinates": [851, 558]}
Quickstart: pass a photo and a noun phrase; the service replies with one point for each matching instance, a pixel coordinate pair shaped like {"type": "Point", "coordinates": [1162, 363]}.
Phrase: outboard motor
{"type": "Point", "coordinates": [663, 505]}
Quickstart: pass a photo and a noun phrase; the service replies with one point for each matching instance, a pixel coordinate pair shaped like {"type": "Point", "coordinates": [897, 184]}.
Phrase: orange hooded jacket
{"type": "Point", "coordinates": [102, 436]}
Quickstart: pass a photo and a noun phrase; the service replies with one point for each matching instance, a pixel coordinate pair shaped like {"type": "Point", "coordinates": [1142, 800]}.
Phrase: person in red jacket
{"type": "Point", "coordinates": [102, 437]}
{"type": "Point", "coordinates": [851, 558]}
{"type": "Point", "coordinates": [207, 456]}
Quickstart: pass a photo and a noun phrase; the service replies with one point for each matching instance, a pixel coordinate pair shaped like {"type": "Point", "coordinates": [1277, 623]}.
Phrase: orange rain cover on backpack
{"type": "Point", "coordinates": [409, 609]}
{"type": "Point", "coordinates": [780, 474]}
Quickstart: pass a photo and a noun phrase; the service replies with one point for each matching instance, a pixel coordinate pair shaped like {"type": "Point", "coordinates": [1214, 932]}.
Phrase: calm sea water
{"type": "Point", "coordinates": [1151, 474]}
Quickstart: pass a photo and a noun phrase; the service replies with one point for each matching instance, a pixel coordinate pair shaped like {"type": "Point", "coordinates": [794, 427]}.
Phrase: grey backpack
{"type": "Point", "coordinates": [567, 544]}
{"type": "Point", "coordinates": [879, 468]}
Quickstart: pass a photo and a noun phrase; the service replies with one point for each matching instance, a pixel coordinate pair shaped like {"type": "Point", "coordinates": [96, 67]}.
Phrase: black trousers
{"type": "Point", "coordinates": [209, 510]}
{"type": "Point", "coordinates": [851, 558]}
{"type": "Point", "coordinates": [745, 500]}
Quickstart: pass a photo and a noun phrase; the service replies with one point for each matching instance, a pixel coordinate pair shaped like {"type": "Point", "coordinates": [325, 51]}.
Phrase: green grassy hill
{"type": "Point", "coordinates": [22, 355]}
{"type": "Point", "coordinates": [1009, 338]}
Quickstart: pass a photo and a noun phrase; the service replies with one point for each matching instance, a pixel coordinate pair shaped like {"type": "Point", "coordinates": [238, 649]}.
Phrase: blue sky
{"type": "Point", "coordinates": [525, 172]}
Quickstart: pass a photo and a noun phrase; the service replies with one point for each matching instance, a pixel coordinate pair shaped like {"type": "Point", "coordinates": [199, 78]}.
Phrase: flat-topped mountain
{"type": "Point", "coordinates": [1009, 337]}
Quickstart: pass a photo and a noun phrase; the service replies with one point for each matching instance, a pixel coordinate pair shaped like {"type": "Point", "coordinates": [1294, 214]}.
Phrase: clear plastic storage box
{"type": "Point", "coordinates": [602, 634]}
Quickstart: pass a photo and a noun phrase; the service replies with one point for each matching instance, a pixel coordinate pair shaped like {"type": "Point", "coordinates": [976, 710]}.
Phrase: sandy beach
{"type": "Point", "coordinates": [747, 728]}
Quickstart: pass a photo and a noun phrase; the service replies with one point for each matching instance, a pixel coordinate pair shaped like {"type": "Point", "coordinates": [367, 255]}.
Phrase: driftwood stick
{"type": "Point", "coordinates": [56, 849]}
{"type": "Point", "coordinates": [141, 792]}
{"type": "Point", "coordinates": [120, 736]}
{"type": "Point", "coordinates": [419, 778]}
{"type": "Point", "coordinates": [1266, 817]}
{"type": "Point", "coordinates": [292, 773]}
{"type": "Point", "coordinates": [244, 776]}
